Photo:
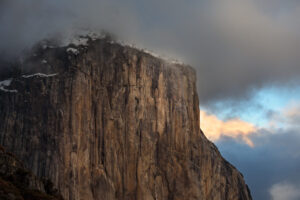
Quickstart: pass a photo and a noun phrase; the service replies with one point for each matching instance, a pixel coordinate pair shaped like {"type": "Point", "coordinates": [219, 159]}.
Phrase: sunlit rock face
{"type": "Point", "coordinates": [105, 121]}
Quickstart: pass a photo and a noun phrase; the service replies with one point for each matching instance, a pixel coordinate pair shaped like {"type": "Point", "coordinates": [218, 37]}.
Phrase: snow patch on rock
{"type": "Point", "coordinates": [41, 75]}
{"type": "Point", "coordinates": [6, 83]}
{"type": "Point", "coordinates": [81, 38]}
{"type": "Point", "coordinates": [73, 50]}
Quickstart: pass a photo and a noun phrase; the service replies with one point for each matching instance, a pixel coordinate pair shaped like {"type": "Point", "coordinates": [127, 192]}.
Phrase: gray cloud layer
{"type": "Point", "coordinates": [236, 45]}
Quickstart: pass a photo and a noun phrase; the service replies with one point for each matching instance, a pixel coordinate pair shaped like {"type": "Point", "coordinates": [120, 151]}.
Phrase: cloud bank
{"type": "Point", "coordinates": [236, 46]}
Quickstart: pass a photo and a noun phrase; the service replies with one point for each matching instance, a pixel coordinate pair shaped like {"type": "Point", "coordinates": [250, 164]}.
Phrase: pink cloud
{"type": "Point", "coordinates": [214, 128]}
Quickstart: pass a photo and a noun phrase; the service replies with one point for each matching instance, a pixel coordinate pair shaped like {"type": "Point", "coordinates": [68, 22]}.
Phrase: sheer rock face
{"type": "Point", "coordinates": [115, 123]}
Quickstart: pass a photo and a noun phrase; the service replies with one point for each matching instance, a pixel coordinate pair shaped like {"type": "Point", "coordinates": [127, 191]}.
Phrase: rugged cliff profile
{"type": "Point", "coordinates": [106, 121]}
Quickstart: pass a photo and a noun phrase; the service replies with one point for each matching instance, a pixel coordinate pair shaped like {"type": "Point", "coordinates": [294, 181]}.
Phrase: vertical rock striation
{"type": "Point", "coordinates": [113, 122]}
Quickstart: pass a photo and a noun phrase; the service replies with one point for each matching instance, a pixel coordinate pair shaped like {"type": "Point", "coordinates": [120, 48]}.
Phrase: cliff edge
{"type": "Point", "coordinates": [111, 122]}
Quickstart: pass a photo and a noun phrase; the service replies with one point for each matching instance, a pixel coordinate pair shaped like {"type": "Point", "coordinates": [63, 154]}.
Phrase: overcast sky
{"type": "Point", "coordinates": [240, 48]}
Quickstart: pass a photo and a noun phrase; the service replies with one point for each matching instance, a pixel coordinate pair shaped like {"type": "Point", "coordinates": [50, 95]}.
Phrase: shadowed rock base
{"type": "Point", "coordinates": [18, 183]}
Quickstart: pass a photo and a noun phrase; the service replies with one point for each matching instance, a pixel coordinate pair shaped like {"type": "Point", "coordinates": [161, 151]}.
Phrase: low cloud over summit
{"type": "Point", "coordinates": [237, 46]}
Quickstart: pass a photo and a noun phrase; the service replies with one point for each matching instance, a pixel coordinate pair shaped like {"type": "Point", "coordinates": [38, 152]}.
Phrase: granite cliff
{"type": "Point", "coordinates": [108, 121]}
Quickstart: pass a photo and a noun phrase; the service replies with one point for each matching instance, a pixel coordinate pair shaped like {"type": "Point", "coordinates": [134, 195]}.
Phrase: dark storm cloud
{"type": "Point", "coordinates": [23, 23]}
{"type": "Point", "coordinates": [237, 46]}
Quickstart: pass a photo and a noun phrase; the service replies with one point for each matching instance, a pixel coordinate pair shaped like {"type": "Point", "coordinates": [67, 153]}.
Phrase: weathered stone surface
{"type": "Point", "coordinates": [115, 123]}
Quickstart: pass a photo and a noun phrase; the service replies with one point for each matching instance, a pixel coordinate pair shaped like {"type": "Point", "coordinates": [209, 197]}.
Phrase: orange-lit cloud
{"type": "Point", "coordinates": [214, 128]}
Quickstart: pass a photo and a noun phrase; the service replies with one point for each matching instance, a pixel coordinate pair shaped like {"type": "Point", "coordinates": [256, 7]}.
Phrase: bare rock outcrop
{"type": "Point", "coordinates": [106, 121]}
